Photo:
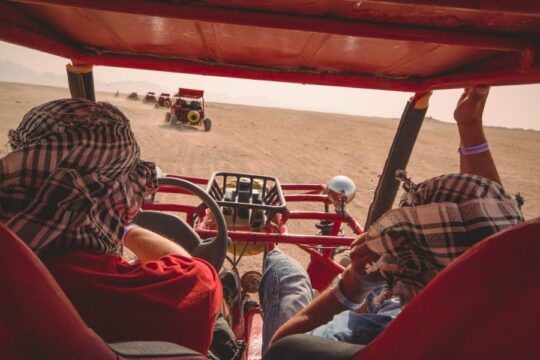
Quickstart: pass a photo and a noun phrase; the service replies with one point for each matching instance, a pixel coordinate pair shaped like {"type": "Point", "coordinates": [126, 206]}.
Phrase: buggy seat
{"type": "Point", "coordinates": [37, 321]}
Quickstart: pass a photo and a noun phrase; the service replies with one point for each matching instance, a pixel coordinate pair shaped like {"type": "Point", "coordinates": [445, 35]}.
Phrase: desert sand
{"type": "Point", "coordinates": [297, 146]}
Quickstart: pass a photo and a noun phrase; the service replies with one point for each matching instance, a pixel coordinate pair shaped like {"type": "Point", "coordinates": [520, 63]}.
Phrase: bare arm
{"type": "Point", "coordinates": [318, 312]}
{"type": "Point", "coordinates": [149, 246]}
{"type": "Point", "coordinates": [468, 115]}
{"type": "Point", "coordinates": [356, 285]}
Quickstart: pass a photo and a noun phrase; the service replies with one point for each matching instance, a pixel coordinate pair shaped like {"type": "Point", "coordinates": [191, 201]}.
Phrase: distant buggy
{"type": "Point", "coordinates": [133, 96]}
{"type": "Point", "coordinates": [150, 98]}
{"type": "Point", "coordinates": [164, 100]}
{"type": "Point", "coordinates": [188, 109]}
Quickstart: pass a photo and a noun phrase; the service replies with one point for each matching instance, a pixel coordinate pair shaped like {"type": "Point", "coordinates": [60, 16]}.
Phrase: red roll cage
{"type": "Point", "coordinates": [190, 93]}
{"type": "Point", "coordinates": [399, 45]}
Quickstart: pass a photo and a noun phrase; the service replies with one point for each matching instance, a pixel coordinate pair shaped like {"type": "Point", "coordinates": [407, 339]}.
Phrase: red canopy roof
{"type": "Point", "coordinates": [190, 93]}
{"type": "Point", "coordinates": [385, 44]}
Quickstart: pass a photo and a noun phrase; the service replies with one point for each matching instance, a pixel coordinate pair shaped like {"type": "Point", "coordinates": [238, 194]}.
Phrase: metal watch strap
{"type": "Point", "coordinates": [341, 298]}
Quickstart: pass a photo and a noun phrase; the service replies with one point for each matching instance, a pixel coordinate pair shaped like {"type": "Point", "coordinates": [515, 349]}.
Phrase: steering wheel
{"type": "Point", "coordinates": [175, 229]}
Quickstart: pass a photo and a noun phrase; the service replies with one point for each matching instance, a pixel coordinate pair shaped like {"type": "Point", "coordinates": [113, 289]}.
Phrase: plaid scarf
{"type": "Point", "coordinates": [74, 177]}
{"type": "Point", "coordinates": [439, 220]}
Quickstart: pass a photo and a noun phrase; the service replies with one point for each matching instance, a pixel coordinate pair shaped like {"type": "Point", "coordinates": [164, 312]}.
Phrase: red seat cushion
{"type": "Point", "coordinates": [485, 305]}
{"type": "Point", "coordinates": [37, 321]}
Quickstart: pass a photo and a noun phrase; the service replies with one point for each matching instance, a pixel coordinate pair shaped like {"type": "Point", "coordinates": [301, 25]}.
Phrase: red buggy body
{"type": "Point", "coordinates": [399, 45]}
{"type": "Point", "coordinates": [164, 100]}
{"type": "Point", "coordinates": [150, 98]}
{"type": "Point", "coordinates": [188, 108]}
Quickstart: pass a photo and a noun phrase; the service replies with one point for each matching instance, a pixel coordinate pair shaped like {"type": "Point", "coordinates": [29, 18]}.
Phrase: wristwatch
{"type": "Point", "coordinates": [335, 288]}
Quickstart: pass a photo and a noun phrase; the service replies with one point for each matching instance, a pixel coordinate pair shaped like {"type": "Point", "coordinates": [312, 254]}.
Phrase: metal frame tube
{"type": "Point", "coordinates": [81, 81]}
{"type": "Point", "coordinates": [398, 157]}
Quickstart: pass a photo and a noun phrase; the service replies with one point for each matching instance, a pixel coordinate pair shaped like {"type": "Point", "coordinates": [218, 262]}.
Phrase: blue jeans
{"type": "Point", "coordinates": [285, 289]}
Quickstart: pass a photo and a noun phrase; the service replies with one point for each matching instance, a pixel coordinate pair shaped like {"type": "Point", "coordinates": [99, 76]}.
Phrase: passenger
{"type": "Point", "coordinates": [72, 183]}
{"type": "Point", "coordinates": [407, 246]}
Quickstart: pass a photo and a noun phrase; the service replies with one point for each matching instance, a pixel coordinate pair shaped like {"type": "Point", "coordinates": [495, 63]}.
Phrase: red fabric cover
{"type": "Point", "coordinates": [485, 305]}
{"type": "Point", "coordinates": [174, 299]}
{"type": "Point", "coordinates": [320, 273]}
{"type": "Point", "coordinates": [37, 321]}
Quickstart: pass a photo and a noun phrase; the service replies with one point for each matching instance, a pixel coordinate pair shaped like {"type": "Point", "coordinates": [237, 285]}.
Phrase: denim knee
{"type": "Point", "coordinates": [284, 290]}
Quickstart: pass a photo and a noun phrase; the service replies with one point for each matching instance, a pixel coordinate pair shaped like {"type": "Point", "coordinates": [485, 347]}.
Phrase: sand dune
{"type": "Point", "coordinates": [297, 146]}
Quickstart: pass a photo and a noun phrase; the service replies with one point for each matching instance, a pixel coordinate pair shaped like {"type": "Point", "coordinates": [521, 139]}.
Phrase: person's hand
{"type": "Point", "coordinates": [470, 106]}
{"type": "Point", "coordinates": [356, 282]}
{"type": "Point", "coordinates": [468, 115]}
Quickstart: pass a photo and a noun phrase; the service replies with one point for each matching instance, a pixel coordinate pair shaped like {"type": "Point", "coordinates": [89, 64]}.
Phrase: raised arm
{"type": "Point", "coordinates": [475, 157]}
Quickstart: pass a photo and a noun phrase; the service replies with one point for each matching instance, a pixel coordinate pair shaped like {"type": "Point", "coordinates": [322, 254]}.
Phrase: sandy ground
{"type": "Point", "coordinates": [297, 146]}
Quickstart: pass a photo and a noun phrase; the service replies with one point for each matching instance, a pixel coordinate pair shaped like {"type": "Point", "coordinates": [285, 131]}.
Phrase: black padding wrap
{"type": "Point", "coordinates": [302, 346]}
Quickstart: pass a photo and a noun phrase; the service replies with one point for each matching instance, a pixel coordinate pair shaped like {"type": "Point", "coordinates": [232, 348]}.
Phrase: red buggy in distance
{"type": "Point", "coordinates": [133, 96]}
{"type": "Point", "coordinates": [150, 98]}
{"type": "Point", "coordinates": [188, 108]}
{"type": "Point", "coordinates": [164, 101]}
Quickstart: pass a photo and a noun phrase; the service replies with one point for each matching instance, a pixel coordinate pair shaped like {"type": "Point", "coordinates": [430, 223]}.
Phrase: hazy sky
{"type": "Point", "coordinates": [508, 106]}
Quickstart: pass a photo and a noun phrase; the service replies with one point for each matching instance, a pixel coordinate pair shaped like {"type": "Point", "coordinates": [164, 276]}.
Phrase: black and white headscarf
{"type": "Point", "coordinates": [74, 177]}
{"type": "Point", "coordinates": [439, 219]}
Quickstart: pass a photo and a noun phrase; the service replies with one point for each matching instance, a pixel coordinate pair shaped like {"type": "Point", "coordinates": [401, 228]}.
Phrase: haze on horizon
{"type": "Point", "coordinates": [507, 106]}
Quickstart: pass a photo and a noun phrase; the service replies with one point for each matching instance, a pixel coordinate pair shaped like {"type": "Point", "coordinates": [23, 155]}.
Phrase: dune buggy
{"type": "Point", "coordinates": [150, 98]}
{"type": "Point", "coordinates": [133, 96]}
{"type": "Point", "coordinates": [188, 108]}
{"type": "Point", "coordinates": [164, 100]}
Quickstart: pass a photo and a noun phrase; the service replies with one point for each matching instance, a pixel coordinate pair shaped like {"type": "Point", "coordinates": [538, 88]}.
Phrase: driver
{"type": "Point", "coordinates": [438, 220]}
{"type": "Point", "coordinates": [71, 184]}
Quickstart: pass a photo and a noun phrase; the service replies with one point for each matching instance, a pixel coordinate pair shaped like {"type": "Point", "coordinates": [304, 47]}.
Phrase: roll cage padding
{"type": "Point", "coordinates": [81, 81]}
{"type": "Point", "coordinates": [398, 156]}
{"type": "Point", "coordinates": [303, 346]}
{"type": "Point", "coordinates": [152, 349]}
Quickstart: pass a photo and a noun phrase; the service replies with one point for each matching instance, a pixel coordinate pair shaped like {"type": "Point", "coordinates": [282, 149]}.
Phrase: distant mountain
{"type": "Point", "coordinates": [141, 87]}
{"type": "Point", "coordinates": [13, 72]}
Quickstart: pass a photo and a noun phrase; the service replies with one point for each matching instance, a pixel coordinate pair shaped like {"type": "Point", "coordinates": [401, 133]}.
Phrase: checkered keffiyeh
{"type": "Point", "coordinates": [439, 219]}
{"type": "Point", "coordinates": [74, 177]}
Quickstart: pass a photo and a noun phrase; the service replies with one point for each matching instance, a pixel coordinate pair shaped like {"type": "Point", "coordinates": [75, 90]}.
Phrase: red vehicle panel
{"type": "Point", "coordinates": [394, 45]}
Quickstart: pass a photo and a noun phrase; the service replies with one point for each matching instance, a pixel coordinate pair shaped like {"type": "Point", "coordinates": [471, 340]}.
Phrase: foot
{"type": "Point", "coordinates": [231, 286]}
